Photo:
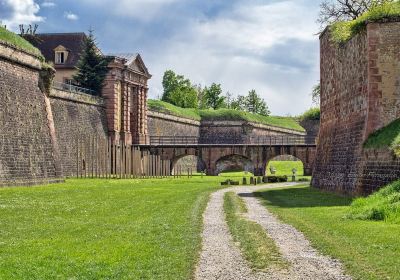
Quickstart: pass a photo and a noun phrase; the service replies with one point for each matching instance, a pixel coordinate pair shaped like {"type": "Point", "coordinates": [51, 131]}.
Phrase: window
{"type": "Point", "coordinates": [60, 57]}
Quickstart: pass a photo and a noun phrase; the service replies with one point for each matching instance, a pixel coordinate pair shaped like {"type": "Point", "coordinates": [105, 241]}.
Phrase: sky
{"type": "Point", "coordinates": [270, 46]}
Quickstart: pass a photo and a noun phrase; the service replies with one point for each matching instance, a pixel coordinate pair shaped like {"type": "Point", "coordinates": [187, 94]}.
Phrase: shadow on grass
{"type": "Point", "coordinates": [301, 197]}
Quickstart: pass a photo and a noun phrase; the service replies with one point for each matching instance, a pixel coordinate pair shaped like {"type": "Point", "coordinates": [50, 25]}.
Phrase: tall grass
{"type": "Point", "coordinates": [18, 42]}
{"type": "Point", "coordinates": [345, 30]}
{"type": "Point", "coordinates": [383, 205]}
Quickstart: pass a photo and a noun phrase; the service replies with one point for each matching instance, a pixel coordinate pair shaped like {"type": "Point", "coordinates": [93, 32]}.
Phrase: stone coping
{"type": "Point", "coordinates": [10, 52]}
{"type": "Point", "coordinates": [77, 97]}
{"type": "Point", "coordinates": [253, 124]}
{"type": "Point", "coordinates": [173, 118]}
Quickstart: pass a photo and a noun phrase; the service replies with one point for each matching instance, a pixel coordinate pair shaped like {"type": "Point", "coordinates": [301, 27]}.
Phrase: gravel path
{"type": "Point", "coordinates": [221, 258]}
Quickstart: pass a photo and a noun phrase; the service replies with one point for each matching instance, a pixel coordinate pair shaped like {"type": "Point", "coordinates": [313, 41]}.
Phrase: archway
{"type": "Point", "coordinates": [285, 165]}
{"type": "Point", "coordinates": [234, 163]}
{"type": "Point", "coordinates": [187, 164]}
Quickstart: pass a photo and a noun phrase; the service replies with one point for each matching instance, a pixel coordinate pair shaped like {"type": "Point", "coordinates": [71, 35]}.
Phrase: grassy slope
{"type": "Point", "coordinates": [164, 107]}
{"type": "Point", "coordinates": [344, 31]}
{"type": "Point", "coordinates": [369, 250]}
{"type": "Point", "coordinates": [223, 114]}
{"type": "Point", "coordinates": [18, 41]}
{"type": "Point", "coordinates": [386, 137]}
{"type": "Point", "coordinates": [258, 248]}
{"type": "Point", "coordinates": [98, 229]}
{"type": "Point", "coordinates": [383, 205]}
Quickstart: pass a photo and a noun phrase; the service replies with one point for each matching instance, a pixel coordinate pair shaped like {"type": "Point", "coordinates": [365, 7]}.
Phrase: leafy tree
{"type": "Point", "coordinates": [238, 103]}
{"type": "Point", "coordinates": [92, 66]}
{"type": "Point", "coordinates": [179, 91]}
{"type": "Point", "coordinates": [202, 102]}
{"type": "Point", "coordinates": [342, 10]}
{"type": "Point", "coordinates": [229, 99]}
{"type": "Point", "coordinates": [316, 94]}
{"type": "Point", "coordinates": [213, 96]}
{"type": "Point", "coordinates": [255, 104]}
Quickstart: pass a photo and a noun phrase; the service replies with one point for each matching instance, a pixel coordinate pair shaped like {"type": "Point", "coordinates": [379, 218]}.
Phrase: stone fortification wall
{"type": "Point", "coordinates": [28, 151]}
{"type": "Point", "coordinates": [360, 90]}
{"type": "Point", "coordinates": [160, 124]}
{"type": "Point", "coordinates": [76, 116]}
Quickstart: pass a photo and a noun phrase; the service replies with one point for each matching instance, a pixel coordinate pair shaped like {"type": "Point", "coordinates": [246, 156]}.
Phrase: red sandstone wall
{"type": "Point", "coordinates": [360, 92]}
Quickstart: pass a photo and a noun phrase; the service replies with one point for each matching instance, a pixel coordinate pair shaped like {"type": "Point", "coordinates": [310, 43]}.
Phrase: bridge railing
{"type": "Point", "coordinates": [278, 140]}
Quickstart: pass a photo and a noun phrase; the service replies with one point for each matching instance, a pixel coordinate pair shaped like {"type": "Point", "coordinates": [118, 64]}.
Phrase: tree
{"type": "Point", "coordinates": [229, 99]}
{"type": "Point", "coordinates": [343, 10]}
{"type": "Point", "coordinates": [316, 94]}
{"type": "Point", "coordinates": [92, 66]}
{"type": "Point", "coordinates": [179, 91]}
{"type": "Point", "coordinates": [255, 104]}
{"type": "Point", "coordinates": [213, 96]}
{"type": "Point", "coordinates": [238, 103]}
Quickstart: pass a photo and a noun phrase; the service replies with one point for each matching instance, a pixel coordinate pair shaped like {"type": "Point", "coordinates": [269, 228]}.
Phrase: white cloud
{"type": "Point", "coordinates": [270, 48]}
{"type": "Point", "coordinates": [15, 12]}
{"type": "Point", "coordinates": [71, 16]}
{"type": "Point", "coordinates": [48, 4]}
{"type": "Point", "coordinates": [144, 10]}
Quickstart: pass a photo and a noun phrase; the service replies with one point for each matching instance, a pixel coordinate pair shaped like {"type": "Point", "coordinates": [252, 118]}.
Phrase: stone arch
{"type": "Point", "coordinates": [234, 162]}
{"type": "Point", "coordinates": [290, 159]}
{"type": "Point", "coordinates": [184, 162]}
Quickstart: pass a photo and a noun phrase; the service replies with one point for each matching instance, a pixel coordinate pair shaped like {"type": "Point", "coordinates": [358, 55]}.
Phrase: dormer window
{"type": "Point", "coordinates": [60, 57]}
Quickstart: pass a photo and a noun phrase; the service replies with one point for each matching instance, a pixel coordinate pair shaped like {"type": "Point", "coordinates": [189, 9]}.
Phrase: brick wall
{"type": "Point", "coordinates": [359, 94]}
{"type": "Point", "coordinates": [76, 116]}
{"type": "Point", "coordinates": [26, 149]}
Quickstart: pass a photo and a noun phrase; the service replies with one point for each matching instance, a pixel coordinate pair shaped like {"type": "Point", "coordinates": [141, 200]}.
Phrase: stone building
{"type": "Point", "coordinates": [125, 87]}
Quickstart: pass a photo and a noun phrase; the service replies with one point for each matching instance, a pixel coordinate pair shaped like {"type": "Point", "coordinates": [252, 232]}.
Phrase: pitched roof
{"type": "Point", "coordinates": [73, 42]}
{"type": "Point", "coordinates": [130, 59]}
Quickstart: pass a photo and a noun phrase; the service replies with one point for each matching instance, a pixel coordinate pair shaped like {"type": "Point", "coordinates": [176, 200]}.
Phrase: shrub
{"type": "Point", "coordinates": [382, 205]}
{"type": "Point", "coordinates": [311, 114]}
{"type": "Point", "coordinates": [275, 179]}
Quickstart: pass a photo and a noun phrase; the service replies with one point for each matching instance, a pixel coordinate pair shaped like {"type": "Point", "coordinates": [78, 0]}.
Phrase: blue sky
{"type": "Point", "coordinates": [267, 45]}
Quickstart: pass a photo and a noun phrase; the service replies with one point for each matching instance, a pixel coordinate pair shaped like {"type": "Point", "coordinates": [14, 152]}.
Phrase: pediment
{"type": "Point", "coordinates": [60, 48]}
{"type": "Point", "coordinates": [138, 65]}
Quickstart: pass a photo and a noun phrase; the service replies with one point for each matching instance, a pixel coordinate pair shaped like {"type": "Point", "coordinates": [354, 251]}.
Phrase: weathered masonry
{"type": "Point", "coordinates": [28, 144]}
{"type": "Point", "coordinates": [360, 93]}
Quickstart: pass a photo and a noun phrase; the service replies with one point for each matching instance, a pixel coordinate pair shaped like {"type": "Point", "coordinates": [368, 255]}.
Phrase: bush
{"type": "Point", "coordinates": [383, 205]}
{"type": "Point", "coordinates": [311, 114]}
{"type": "Point", "coordinates": [275, 179]}
{"type": "Point", "coordinates": [230, 182]}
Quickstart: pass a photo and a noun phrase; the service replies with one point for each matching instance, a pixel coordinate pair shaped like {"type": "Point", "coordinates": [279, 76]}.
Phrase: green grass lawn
{"type": "Point", "coordinates": [285, 167]}
{"type": "Point", "coordinates": [103, 229]}
{"type": "Point", "coordinates": [368, 249]}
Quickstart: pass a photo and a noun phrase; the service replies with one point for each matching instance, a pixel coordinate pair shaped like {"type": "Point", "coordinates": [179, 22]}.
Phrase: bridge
{"type": "Point", "coordinates": [247, 153]}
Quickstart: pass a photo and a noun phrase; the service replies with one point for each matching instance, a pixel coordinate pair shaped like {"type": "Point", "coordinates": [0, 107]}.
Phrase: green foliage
{"type": "Point", "coordinates": [238, 103]}
{"type": "Point", "coordinates": [19, 42]}
{"type": "Point", "coordinates": [369, 250]}
{"type": "Point", "coordinates": [255, 104]}
{"type": "Point", "coordinates": [383, 205]}
{"type": "Point", "coordinates": [92, 66]}
{"type": "Point", "coordinates": [344, 30]}
{"type": "Point", "coordinates": [178, 90]}
{"type": "Point", "coordinates": [213, 97]}
{"type": "Point", "coordinates": [257, 247]}
{"type": "Point", "coordinates": [167, 108]}
{"type": "Point", "coordinates": [386, 137]}
{"type": "Point", "coordinates": [103, 229]}
{"type": "Point", "coordinates": [316, 95]}
{"type": "Point", "coordinates": [311, 114]}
